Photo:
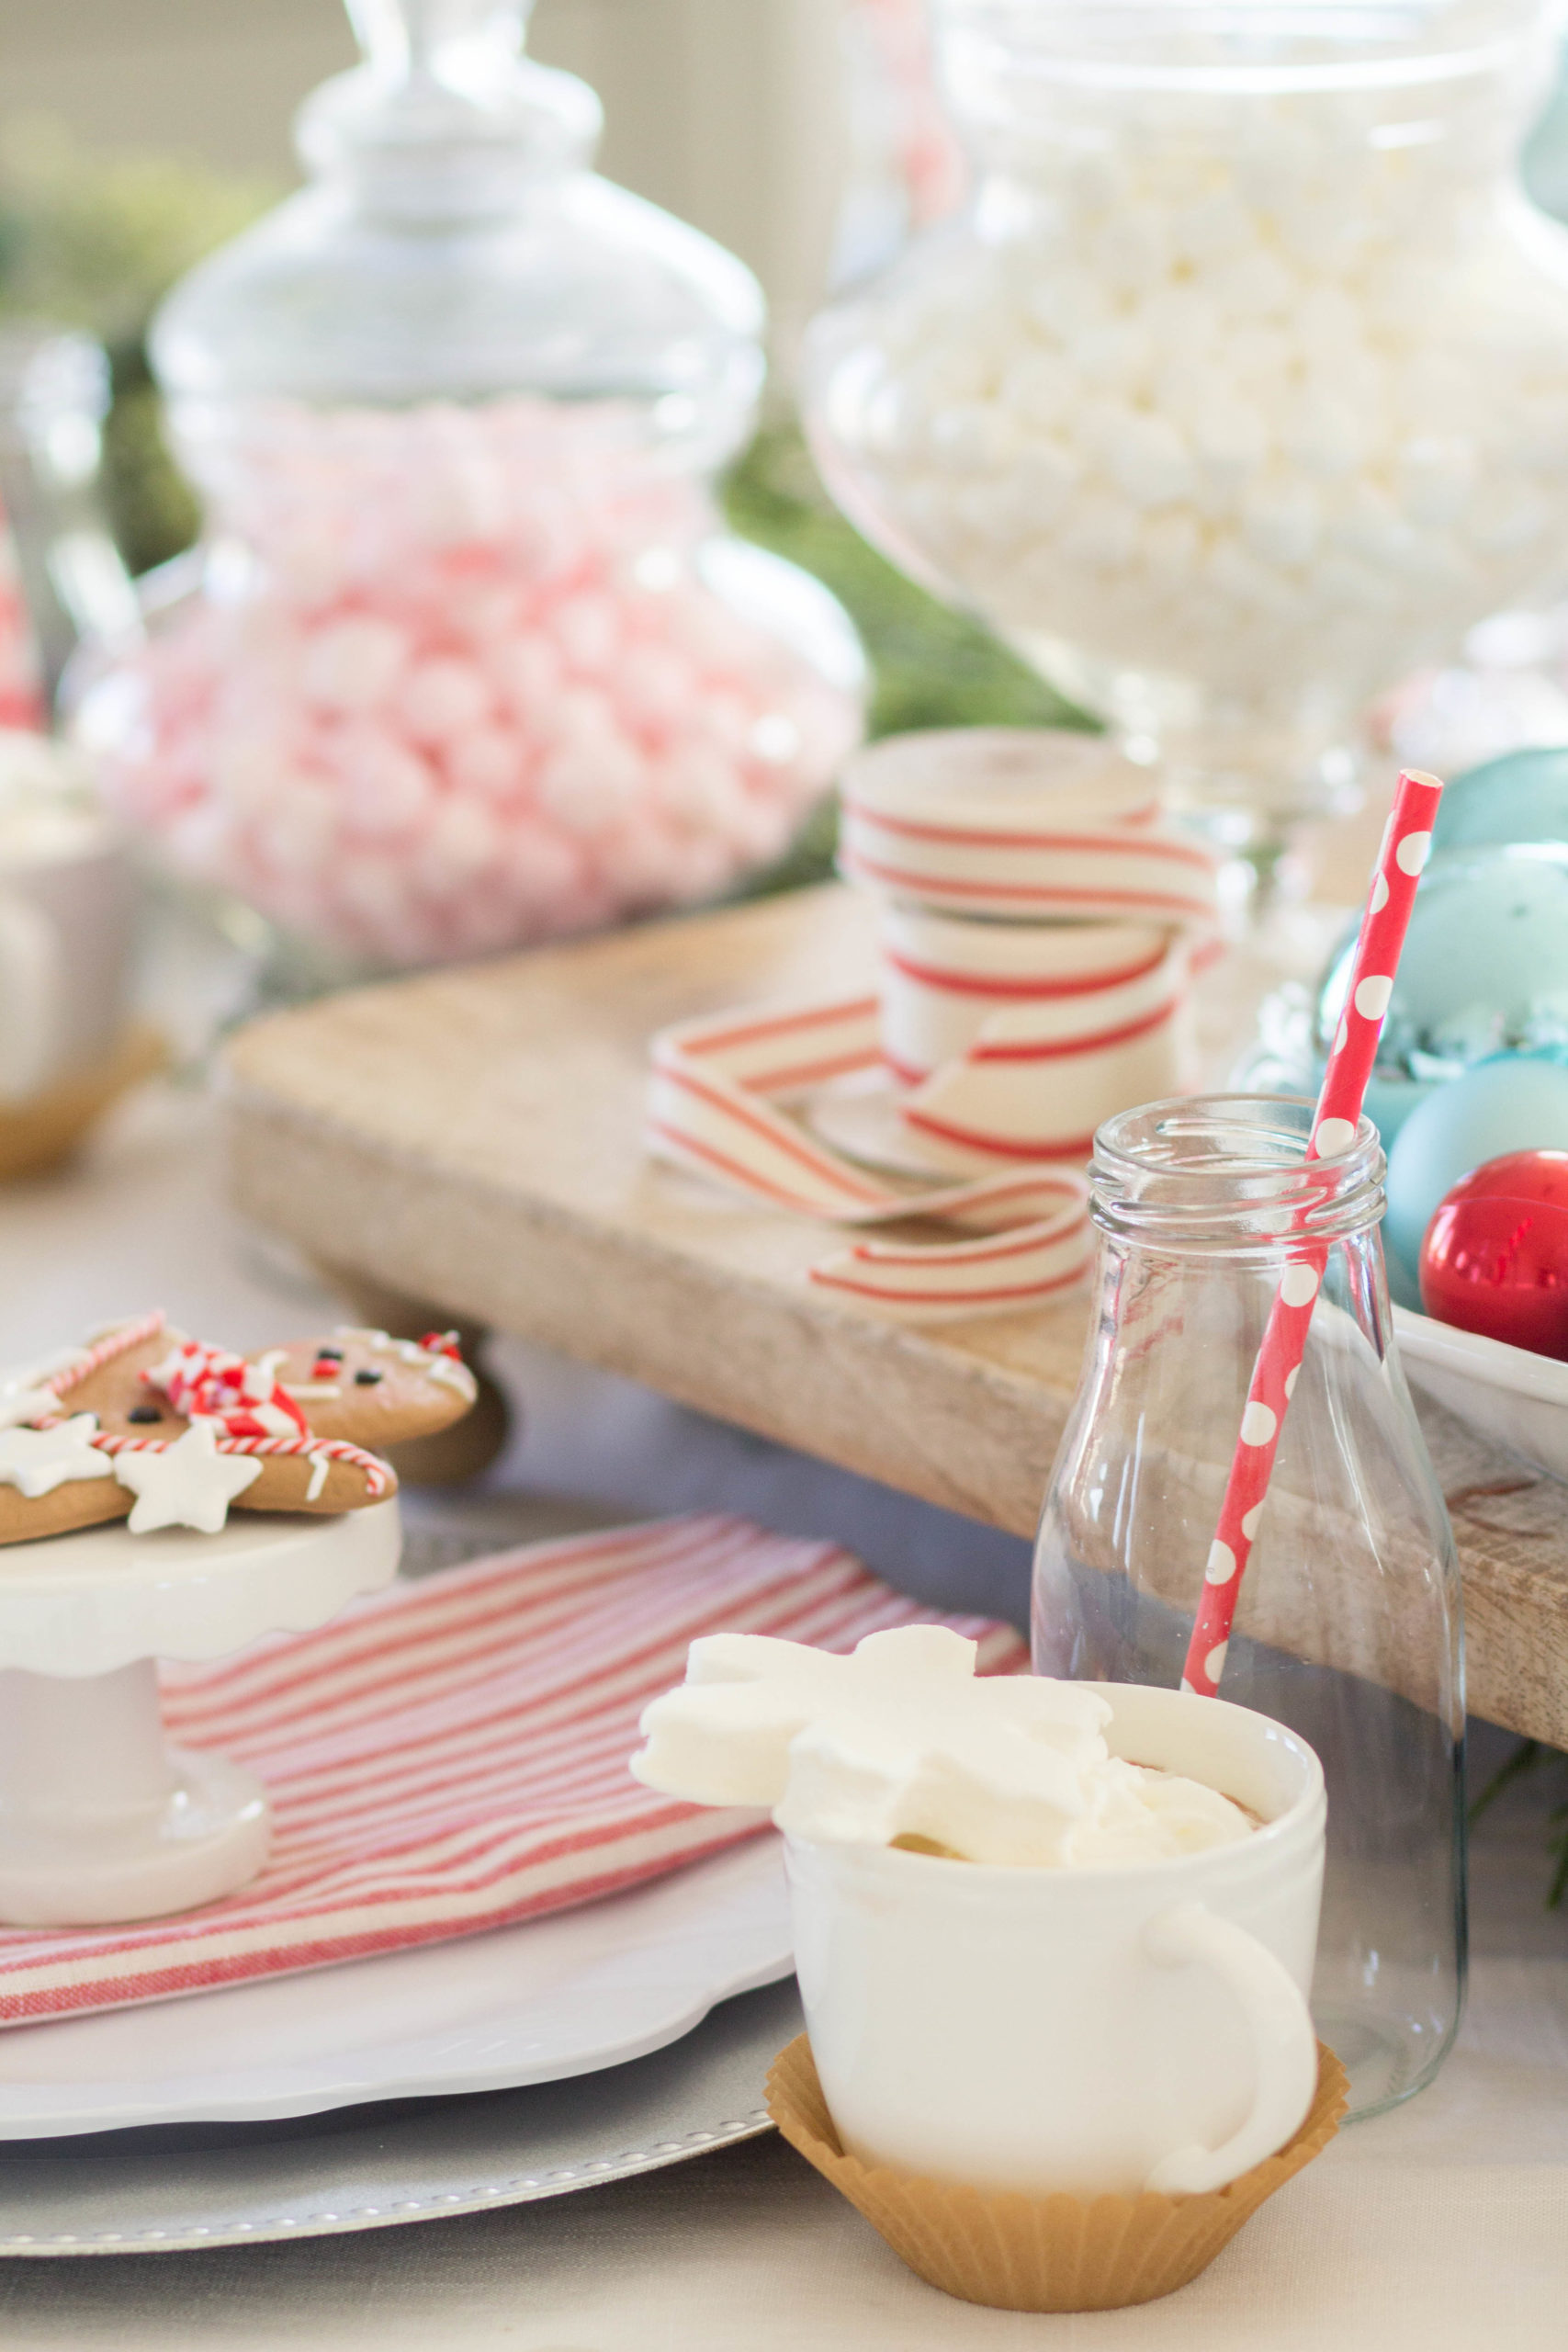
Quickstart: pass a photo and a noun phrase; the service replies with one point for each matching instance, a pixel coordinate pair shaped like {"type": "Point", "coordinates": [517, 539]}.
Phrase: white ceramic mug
{"type": "Point", "coordinates": [1090, 2030]}
{"type": "Point", "coordinates": [67, 925]}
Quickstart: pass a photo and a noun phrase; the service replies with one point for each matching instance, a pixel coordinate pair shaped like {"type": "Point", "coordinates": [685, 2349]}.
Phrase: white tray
{"type": "Point", "coordinates": [1511, 1394]}
{"type": "Point", "coordinates": [532, 2004]}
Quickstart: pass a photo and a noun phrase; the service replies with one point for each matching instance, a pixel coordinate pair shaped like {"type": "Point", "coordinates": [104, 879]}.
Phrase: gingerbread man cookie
{"type": "Point", "coordinates": [377, 1390]}
{"type": "Point", "coordinates": [146, 1424]}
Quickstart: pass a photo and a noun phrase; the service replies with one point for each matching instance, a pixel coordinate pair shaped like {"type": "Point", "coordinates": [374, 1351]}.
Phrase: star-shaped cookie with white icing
{"type": "Point", "coordinates": [100, 1431]}
{"type": "Point", "coordinates": [188, 1484]}
{"type": "Point", "coordinates": [37, 1461]}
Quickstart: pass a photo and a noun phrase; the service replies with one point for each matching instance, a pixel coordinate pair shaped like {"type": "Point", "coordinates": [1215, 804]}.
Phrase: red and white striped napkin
{"type": "Point", "coordinates": [451, 1755]}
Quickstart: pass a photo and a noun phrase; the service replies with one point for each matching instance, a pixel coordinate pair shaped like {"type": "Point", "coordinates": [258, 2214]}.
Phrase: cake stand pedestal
{"type": "Point", "coordinates": [100, 1819]}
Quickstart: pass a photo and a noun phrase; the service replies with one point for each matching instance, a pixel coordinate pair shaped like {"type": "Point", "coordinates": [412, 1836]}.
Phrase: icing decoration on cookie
{"type": "Point", "coordinates": [436, 1356]}
{"type": "Point", "coordinates": [245, 1398]}
{"type": "Point", "coordinates": [322, 1452]}
{"type": "Point", "coordinates": [189, 1428]}
{"type": "Point", "coordinates": [20, 1402]}
{"type": "Point", "coordinates": [260, 1420]}
{"type": "Point", "coordinates": [324, 1371]}
{"type": "Point", "coordinates": [28, 1391]}
{"type": "Point", "coordinates": [37, 1460]}
{"type": "Point", "coordinates": [187, 1483]}
{"type": "Point", "coordinates": [114, 1339]}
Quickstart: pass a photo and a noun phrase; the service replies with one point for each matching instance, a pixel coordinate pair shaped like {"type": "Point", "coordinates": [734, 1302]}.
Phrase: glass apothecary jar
{"type": "Point", "coordinates": [464, 657]}
{"type": "Point", "coordinates": [1240, 387]}
{"type": "Point", "coordinates": [60, 577]}
{"type": "Point", "coordinates": [1348, 1622]}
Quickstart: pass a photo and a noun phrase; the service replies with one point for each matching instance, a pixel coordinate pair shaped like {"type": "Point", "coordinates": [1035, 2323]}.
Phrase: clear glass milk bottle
{"type": "Point", "coordinates": [1348, 1623]}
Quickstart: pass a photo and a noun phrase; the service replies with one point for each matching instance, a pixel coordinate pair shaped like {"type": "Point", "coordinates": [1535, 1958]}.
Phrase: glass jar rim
{"type": "Point", "coordinates": [1251, 47]}
{"type": "Point", "coordinates": [1227, 1174]}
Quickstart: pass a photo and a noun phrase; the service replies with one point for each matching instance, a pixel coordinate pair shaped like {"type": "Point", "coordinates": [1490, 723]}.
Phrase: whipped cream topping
{"type": "Point", "coordinates": [902, 1741]}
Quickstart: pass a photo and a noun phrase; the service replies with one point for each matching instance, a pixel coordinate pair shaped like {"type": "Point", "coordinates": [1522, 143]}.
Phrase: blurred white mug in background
{"type": "Point", "coordinates": [67, 923]}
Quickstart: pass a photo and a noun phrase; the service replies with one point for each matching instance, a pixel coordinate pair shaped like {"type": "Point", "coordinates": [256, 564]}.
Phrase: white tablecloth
{"type": "Point", "coordinates": [1441, 2226]}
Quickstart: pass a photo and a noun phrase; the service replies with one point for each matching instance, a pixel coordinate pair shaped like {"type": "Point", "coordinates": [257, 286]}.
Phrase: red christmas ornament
{"type": "Point", "coordinates": [1495, 1259]}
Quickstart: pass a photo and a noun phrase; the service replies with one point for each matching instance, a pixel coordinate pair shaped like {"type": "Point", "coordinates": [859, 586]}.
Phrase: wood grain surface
{"type": "Point", "coordinates": [474, 1137]}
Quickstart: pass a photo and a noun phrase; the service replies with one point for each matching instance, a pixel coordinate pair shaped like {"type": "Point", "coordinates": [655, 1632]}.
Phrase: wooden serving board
{"type": "Point", "coordinates": [473, 1139]}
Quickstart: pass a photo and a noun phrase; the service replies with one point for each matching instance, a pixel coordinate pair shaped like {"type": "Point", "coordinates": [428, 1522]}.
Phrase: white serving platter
{"type": "Point", "coordinates": [565, 1995]}
{"type": "Point", "coordinates": [1509, 1394]}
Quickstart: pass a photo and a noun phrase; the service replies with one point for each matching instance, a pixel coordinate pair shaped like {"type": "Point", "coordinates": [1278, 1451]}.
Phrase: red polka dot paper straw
{"type": "Point", "coordinates": [1407, 844]}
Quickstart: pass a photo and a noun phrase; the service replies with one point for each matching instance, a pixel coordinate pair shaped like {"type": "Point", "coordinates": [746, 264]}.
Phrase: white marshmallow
{"type": "Point", "coordinates": [1039, 388]}
{"type": "Point", "coordinates": [1282, 521]}
{"type": "Point", "coordinates": [1098, 532]}
{"type": "Point", "coordinates": [1317, 350]}
{"type": "Point", "coordinates": [901, 1740]}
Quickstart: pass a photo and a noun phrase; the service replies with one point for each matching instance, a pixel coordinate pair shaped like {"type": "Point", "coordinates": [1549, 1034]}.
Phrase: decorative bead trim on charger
{"type": "Point", "coordinates": [523, 2187]}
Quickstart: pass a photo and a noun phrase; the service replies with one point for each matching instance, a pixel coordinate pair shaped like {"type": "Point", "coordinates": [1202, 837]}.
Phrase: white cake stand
{"type": "Point", "coordinates": [100, 1819]}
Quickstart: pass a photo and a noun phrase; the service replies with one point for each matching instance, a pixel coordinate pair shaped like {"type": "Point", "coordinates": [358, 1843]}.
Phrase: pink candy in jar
{"type": "Point", "coordinates": [21, 695]}
{"type": "Point", "coordinates": [459, 678]}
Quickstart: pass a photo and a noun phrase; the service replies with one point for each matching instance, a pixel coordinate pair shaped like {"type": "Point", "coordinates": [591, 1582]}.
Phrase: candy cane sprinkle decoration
{"type": "Point", "coordinates": [1407, 844]}
{"type": "Point", "coordinates": [253, 1415]}
{"type": "Point", "coordinates": [118, 1341]}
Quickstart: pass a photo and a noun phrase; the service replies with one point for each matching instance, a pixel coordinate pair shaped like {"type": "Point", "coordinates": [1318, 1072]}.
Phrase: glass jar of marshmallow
{"type": "Point", "coordinates": [465, 659]}
{"type": "Point", "coordinates": [1240, 387]}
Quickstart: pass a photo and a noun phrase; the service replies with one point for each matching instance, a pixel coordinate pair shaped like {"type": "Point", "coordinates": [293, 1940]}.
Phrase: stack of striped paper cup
{"type": "Point", "coordinates": [1040, 925]}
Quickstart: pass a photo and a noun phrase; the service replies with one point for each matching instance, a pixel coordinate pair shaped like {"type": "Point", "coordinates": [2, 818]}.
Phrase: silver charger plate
{"type": "Point", "coordinates": [160, 2189]}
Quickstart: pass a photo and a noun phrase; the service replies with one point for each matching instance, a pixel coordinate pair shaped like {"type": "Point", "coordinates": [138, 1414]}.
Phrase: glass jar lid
{"type": "Point", "coordinates": [454, 245]}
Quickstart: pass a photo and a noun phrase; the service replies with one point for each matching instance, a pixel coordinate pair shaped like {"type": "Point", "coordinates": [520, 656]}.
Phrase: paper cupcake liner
{"type": "Point", "coordinates": [1042, 2253]}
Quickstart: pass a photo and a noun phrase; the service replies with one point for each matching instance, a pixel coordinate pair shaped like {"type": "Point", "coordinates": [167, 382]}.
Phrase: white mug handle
{"type": "Point", "coordinates": [1282, 2037]}
{"type": "Point", "coordinates": [32, 981]}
